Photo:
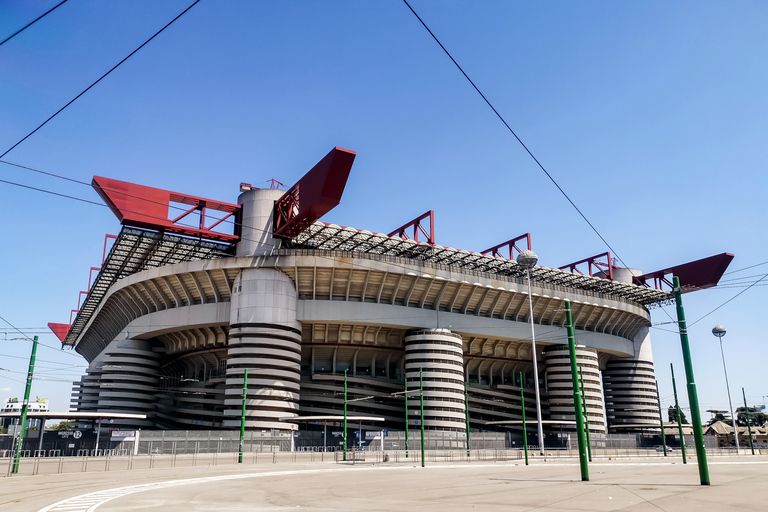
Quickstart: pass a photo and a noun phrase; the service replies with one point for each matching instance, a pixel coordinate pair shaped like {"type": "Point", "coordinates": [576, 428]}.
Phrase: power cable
{"type": "Point", "coordinates": [729, 300]}
{"type": "Point", "coordinates": [52, 193]}
{"type": "Point", "coordinates": [501, 118]}
{"type": "Point", "coordinates": [746, 268]}
{"type": "Point", "coordinates": [100, 79]}
{"type": "Point", "coordinates": [530, 153]}
{"type": "Point", "coordinates": [27, 338]}
{"type": "Point", "coordinates": [22, 29]}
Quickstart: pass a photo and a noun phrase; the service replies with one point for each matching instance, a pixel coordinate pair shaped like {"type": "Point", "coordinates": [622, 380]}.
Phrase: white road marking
{"type": "Point", "coordinates": [91, 501]}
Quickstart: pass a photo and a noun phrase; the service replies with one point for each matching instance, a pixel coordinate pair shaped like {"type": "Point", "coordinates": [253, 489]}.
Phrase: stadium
{"type": "Point", "coordinates": [191, 295]}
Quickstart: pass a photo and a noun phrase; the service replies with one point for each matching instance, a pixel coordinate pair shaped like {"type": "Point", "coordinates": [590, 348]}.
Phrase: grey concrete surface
{"type": "Point", "coordinates": [632, 485]}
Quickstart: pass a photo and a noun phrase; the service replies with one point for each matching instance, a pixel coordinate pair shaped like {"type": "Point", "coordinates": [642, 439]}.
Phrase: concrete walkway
{"type": "Point", "coordinates": [635, 485]}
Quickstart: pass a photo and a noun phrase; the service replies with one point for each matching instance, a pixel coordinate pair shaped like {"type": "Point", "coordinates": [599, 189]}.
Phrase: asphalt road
{"type": "Point", "coordinates": [614, 485]}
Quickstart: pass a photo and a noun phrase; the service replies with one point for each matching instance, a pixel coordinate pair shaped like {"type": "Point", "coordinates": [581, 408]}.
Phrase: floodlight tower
{"type": "Point", "coordinates": [719, 331]}
{"type": "Point", "coordinates": [528, 259]}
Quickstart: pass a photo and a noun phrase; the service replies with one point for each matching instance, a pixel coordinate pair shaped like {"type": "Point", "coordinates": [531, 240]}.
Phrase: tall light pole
{"type": "Point", "coordinates": [528, 260]}
{"type": "Point", "coordinates": [719, 331]}
{"type": "Point", "coordinates": [25, 407]}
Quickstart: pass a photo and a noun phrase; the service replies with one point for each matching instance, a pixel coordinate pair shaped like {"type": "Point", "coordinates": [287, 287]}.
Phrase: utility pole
{"type": "Point", "coordinates": [421, 395]}
{"type": "Point", "coordinates": [242, 418]}
{"type": "Point", "coordinates": [466, 410]}
{"type": "Point", "coordinates": [583, 463]}
{"type": "Point", "coordinates": [693, 397]}
{"type": "Point", "coordinates": [345, 415]}
{"type": "Point", "coordinates": [661, 421]}
{"type": "Point", "coordinates": [586, 415]}
{"type": "Point", "coordinates": [679, 416]}
{"type": "Point", "coordinates": [406, 416]}
{"type": "Point", "coordinates": [746, 414]}
{"type": "Point", "coordinates": [25, 406]}
{"type": "Point", "coordinates": [525, 428]}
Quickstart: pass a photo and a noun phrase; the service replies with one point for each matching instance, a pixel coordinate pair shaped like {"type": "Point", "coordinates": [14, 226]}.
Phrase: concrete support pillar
{"type": "Point", "coordinates": [560, 386]}
{"type": "Point", "coordinates": [630, 388]}
{"type": "Point", "coordinates": [256, 233]}
{"type": "Point", "coordinates": [265, 338]}
{"type": "Point", "coordinates": [129, 381]}
{"type": "Point", "coordinates": [440, 353]}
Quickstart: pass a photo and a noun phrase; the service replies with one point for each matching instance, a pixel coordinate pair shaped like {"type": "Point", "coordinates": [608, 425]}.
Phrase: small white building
{"type": "Point", "coordinates": [14, 405]}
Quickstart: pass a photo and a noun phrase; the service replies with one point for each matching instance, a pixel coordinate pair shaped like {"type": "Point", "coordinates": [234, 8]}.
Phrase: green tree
{"type": "Point", "coordinates": [718, 415]}
{"type": "Point", "coordinates": [671, 414]}
{"type": "Point", "coordinates": [63, 425]}
{"type": "Point", "coordinates": [755, 418]}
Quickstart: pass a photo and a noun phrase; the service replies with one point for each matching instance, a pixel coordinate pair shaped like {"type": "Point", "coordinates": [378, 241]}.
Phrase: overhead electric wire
{"type": "Point", "coordinates": [100, 79]}
{"type": "Point", "coordinates": [52, 193]}
{"type": "Point", "coordinates": [22, 29]}
{"type": "Point", "coordinates": [530, 153]}
{"type": "Point", "coordinates": [27, 338]}
{"type": "Point", "coordinates": [746, 268]}
{"type": "Point", "coordinates": [501, 118]}
{"type": "Point", "coordinates": [729, 300]}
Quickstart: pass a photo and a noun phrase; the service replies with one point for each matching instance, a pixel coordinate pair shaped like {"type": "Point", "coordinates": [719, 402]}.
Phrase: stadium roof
{"type": "Point", "coordinates": [322, 236]}
{"type": "Point", "coordinates": [135, 250]}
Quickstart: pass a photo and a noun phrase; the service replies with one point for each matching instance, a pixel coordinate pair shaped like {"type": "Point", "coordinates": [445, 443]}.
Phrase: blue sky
{"type": "Point", "coordinates": [652, 116]}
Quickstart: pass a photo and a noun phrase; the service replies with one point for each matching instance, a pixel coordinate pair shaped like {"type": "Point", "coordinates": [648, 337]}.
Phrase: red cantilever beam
{"type": "Point", "coordinates": [314, 195]}
{"type": "Point", "coordinates": [606, 268]}
{"type": "Point", "coordinates": [694, 275]}
{"type": "Point", "coordinates": [418, 227]}
{"type": "Point", "coordinates": [147, 207]}
{"type": "Point", "coordinates": [511, 245]}
{"type": "Point", "coordinates": [60, 330]}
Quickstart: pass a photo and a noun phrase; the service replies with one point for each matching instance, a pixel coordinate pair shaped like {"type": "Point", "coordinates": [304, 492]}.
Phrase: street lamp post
{"type": "Point", "coordinates": [345, 415]}
{"type": "Point", "coordinates": [528, 260]}
{"type": "Point", "coordinates": [25, 407]}
{"type": "Point", "coordinates": [719, 331]}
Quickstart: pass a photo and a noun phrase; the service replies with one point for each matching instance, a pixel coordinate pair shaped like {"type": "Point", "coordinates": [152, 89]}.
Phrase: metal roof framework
{"type": "Point", "coordinates": [331, 237]}
{"type": "Point", "coordinates": [135, 250]}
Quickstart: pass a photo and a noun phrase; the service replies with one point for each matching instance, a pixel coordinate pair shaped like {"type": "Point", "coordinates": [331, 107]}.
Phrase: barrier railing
{"type": "Point", "coordinates": [121, 460]}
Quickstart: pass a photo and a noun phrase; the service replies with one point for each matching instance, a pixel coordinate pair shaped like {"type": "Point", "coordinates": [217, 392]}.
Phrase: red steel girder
{"type": "Point", "coordinates": [314, 195]}
{"type": "Point", "coordinates": [418, 227]}
{"type": "Point", "coordinates": [511, 245]}
{"type": "Point", "coordinates": [146, 207]}
{"type": "Point", "coordinates": [606, 267]}
{"type": "Point", "coordinates": [694, 275]}
{"type": "Point", "coordinates": [60, 330]}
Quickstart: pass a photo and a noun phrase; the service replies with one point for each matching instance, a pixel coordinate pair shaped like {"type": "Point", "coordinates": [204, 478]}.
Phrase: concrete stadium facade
{"type": "Point", "coordinates": [172, 339]}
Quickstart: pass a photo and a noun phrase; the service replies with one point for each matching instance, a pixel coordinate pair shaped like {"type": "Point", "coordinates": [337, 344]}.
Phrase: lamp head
{"type": "Point", "coordinates": [527, 259]}
{"type": "Point", "coordinates": [718, 331]}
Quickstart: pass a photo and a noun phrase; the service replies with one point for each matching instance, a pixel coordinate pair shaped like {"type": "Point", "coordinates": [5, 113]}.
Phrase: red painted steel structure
{"type": "Point", "coordinates": [104, 254]}
{"type": "Point", "coordinates": [60, 330]}
{"type": "Point", "coordinates": [314, 195]}
{"type": "Point", "coordinates": [418, 227]}
{"type": "Point", "coordinates": [694, 275]}
{"type": "Point", "coordinates": [511, 245]}
{"type": "Point", "coordinates": [606, 267]}
{"type": "Point", "coordinates": [147, 207]}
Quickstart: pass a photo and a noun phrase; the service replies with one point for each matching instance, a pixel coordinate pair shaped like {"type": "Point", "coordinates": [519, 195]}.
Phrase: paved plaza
{"type": "Point", "coordinates": [637, 485]}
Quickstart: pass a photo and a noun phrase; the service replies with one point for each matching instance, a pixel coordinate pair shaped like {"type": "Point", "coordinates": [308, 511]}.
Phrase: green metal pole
{"type": "Point", "coordinates": [525, 427]}
{"type": "Point", "coordinates": [679, 416]}
{"type": "Point", "coordinates": [693, 398]}
{"type": "Point", "coordinates": [586, 415]}
{"type": "Point", "coordinates": [749, 428]}
{"type": "Point", "coordinates": [661, 421]}
{"type": "Point", "coordinates": [421, 395]}
{"type": "Point", "coordinates": [583, 463]}
{"type": "Point", "coordinates": [466, 410]}
{"type": "Point", "coordinates": [345, 415]}
{"type": "Point", "coordinates": [242, 417]}
{"type": "Point", "coordinates": [406, 417]}
{"type": "Point", "coordinates": [25, 406]}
